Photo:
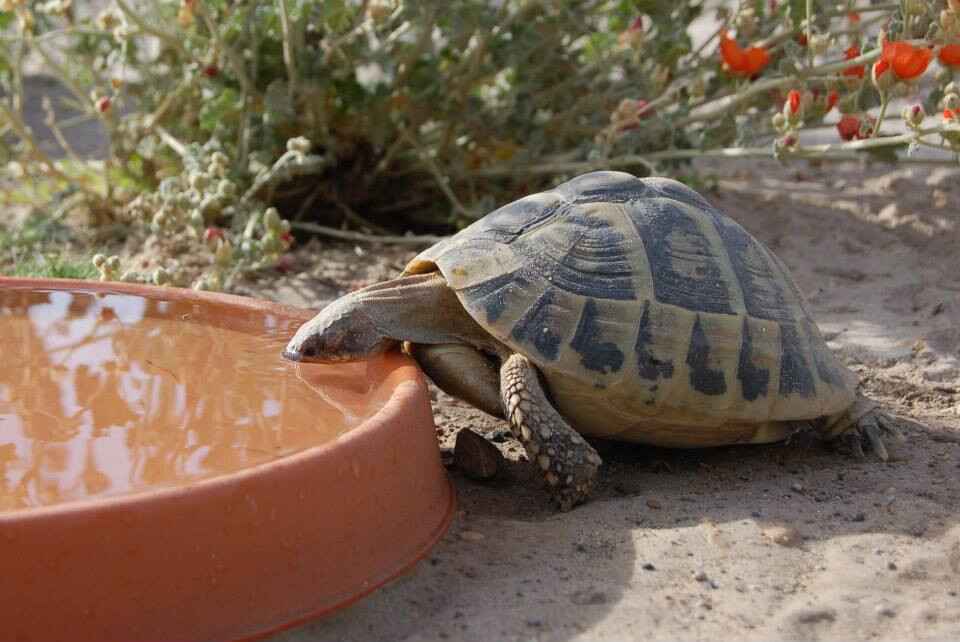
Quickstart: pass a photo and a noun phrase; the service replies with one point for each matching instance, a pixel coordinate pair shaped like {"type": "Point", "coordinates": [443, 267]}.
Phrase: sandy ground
{"type": "Point", "coordinates": [787, 541]}
{"type": "Point", "coordinates": [783, 542]}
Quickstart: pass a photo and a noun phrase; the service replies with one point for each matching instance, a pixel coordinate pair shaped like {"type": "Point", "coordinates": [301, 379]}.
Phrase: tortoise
{"type": "Point", "coordinates": [610, 306]}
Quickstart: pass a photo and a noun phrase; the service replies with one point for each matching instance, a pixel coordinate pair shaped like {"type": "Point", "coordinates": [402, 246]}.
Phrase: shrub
{"type": "Point", "coordinates": [392, 115]}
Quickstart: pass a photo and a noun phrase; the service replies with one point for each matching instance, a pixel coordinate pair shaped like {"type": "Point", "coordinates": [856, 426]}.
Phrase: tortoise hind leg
{"type": "Point", "coordinates": [567, 461]}
{"type": "Point", "coordinates": [463, 372]}
{"type": "Point", "coordinates": [864, 424]}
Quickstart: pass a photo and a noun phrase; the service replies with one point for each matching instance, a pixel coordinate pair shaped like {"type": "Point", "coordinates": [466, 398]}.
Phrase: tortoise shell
{"type": "Point", "coordinates": [652, 316]}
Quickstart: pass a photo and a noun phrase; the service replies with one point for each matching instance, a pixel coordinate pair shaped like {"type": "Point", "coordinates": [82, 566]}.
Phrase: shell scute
{"type": "Point", "coordinates": [686, 266]}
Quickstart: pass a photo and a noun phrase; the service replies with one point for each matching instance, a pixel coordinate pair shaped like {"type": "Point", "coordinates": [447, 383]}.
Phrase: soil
{"type": "Point", "coordinates": [786, 541]}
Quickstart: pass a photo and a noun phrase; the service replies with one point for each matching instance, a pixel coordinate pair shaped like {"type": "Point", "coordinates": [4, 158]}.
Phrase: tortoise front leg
{"type": "Point", "coordinates": [568, 462]}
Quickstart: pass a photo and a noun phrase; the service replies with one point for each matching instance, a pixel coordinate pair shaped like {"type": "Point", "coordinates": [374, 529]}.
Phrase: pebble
{"type": "Point", "coordinates": [588, 597]}
{"type": "Point", "coordinates": [654, 504]}
{"type": "Point", "coordinates": [700, 576]}
{"type": "Point", "coordinates": [475, 456]}
{"type": "Point", "coordinates": [811, 616]}
{"type": "Point", "coordinates": [471, 536]}
{"type": "Point", "coordinates": [649, 567]}
{"type": "Point", "coordinates": [885, 611]}
{"type": "Point", "coordinates": [797, 487]}
{"type": "Point", "coordinates": [783, 535]}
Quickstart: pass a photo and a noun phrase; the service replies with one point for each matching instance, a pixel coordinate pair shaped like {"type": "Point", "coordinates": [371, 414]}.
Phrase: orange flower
{"type": "Point", "coordinates": [742, 62]}
{"type": "Point", "coordinates": [853, 17]}
{"type": "Point", "coordinates": [950, 55]}
{"type": "Point", "coordinates": [907, 61]}
{"type": "Point", "coordinates": [856, 70]}
{"type": "Point", "coordinates": [951, 114]}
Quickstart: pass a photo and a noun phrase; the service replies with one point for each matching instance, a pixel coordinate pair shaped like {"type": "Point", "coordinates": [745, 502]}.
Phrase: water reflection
{"type": "Point", "coordinates": [105, 394]}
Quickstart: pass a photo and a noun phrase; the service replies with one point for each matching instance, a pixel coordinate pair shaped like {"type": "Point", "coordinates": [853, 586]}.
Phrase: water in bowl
{"type": "Point", "coordinates": [105, 394]}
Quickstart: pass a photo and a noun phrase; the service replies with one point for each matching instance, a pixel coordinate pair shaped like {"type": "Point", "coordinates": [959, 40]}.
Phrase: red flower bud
{"type": "Point", "coordinates": [856, 70]}
{"type": "Point", "coordinates": [848, 127]}
{"type": "Point", "coordinates": [211, 71]}
{"type": "Point", "coordinates": [213, 234]}
{"type": "Point", "coordinates": [793, 99]}
{"type": "Point", "coordinates": [832, 99]}
{"type": "Point", "coordinates": [103, 104]}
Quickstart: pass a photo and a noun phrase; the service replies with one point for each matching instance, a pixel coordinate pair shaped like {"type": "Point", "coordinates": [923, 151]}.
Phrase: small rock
{"type": "Point", "coordinates": [891, 566]}
{"type": "Point", "coordinates": [885, 611]}
{"type": "Point", "coordinates": [654, 504]}
{"type": "Point", "coordinates": [812, 616]}
{"type": "Point", "coordinates": [700, 576]}
{"type": "Point", "coordinates": [649, 567]}
{"type": "Point", "coordinates": [471, 536]}
{"type": "Point", "coordinates": [797, 487]}
{"type": "Point", "coordinates": [859, 517]}
{"type": "Point", "coordinates": [783, 535]}
{"type": "Point", "coordinates": [588, 597]}
{"type": "Point", "coordinates": [475, 456]}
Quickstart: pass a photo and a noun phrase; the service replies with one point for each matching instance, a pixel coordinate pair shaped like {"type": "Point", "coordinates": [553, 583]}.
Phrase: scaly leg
{"type": "Point", "coordinates": [568, 462]}
{"type": "Point", "coordinates": [864, 424]}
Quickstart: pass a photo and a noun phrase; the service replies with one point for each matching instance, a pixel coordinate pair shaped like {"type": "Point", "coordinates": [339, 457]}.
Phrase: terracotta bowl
{"type": "Point", "coordinates": [237, 555]}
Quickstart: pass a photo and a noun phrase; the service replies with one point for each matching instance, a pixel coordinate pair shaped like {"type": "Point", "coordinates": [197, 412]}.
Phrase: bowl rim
{"type": "Point", "coordinates": [387, 415]}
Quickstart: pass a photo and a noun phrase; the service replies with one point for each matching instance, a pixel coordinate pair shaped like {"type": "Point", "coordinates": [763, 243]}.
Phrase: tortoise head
{"type": "Point", "coordinates": [343, 331]}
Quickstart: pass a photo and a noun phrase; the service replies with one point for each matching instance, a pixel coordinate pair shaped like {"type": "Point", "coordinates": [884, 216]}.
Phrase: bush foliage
{"type": "Point", "coordinates": [390, 115]}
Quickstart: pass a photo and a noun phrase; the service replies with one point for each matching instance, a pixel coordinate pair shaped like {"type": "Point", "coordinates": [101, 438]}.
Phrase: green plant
{"type": "Point", "coordinates": [53, 267]}
{"type": "Point", "coordinates": [390, 115]}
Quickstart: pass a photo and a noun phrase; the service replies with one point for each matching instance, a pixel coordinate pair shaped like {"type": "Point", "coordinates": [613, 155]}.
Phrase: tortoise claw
{"type": "Point", "coordinates": [871, 430]}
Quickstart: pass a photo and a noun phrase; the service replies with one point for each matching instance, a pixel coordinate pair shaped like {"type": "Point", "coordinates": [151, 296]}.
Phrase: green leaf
{"type": "Point", "coordinates": [798, 12]}
{"type": "Point", "coordinates": [224, 108]}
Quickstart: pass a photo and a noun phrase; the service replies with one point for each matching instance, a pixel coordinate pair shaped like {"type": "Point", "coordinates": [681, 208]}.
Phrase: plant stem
{"type": "Point", "coordinates": [288, 57]}
{"type": "Point", "coordinates": [347, 235]}
{"type": "Point", "coordinates": [135, 18]}
{"type": "Point", "coordinates": [884, 101]}
{"type": "Point", "coordinates": [15, 122]}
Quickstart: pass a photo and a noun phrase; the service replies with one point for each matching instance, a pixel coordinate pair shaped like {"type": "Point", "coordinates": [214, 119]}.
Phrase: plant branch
{"type": "Point", "coordinates": [167, 38]}
{"type": "Point", "coordinates": [424, 239]}
{"type": "Point", "coordinates": [288, 57]}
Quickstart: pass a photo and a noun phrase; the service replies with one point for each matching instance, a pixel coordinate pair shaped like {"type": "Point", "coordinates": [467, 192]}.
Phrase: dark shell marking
{"type": "Point", "coordinates": [703, 378]}
{"type": "Point", "coordinates": [753, 379]}
{"type": "Point", "coordinates": [596, 354]}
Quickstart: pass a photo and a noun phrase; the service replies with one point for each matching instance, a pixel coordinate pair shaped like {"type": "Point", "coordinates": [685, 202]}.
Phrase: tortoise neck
{"type": "Point", "coordinates": [420, 309]}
